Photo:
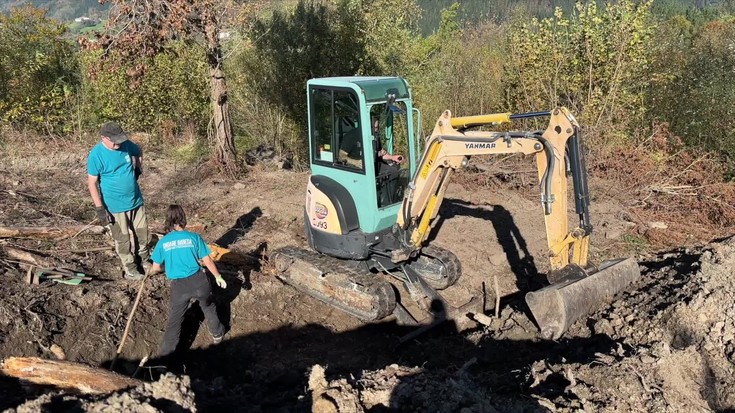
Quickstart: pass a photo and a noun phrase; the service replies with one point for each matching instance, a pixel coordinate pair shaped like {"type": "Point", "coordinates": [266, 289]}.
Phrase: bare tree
{"type": "Point", "coordinates": [142, 28]}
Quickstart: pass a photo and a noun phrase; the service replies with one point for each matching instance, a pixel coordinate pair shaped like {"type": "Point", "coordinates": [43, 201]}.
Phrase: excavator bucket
{"type": "Point", "coordinates": [560, 304]}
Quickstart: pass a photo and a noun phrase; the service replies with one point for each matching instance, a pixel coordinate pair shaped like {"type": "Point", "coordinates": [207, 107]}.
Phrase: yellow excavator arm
{"type": "Point", "coordinates": [450, 147]}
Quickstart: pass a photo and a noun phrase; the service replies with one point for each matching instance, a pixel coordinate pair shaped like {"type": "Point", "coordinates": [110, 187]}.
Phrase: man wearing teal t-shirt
{"type": "Point", "coordinates": [180, 251]}
{"type": "Point", "coordinates": [113, 168]}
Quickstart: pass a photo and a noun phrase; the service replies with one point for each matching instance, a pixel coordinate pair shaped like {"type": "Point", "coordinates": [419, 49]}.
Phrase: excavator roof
{"type": "Point", "coordinates": [375, 88]}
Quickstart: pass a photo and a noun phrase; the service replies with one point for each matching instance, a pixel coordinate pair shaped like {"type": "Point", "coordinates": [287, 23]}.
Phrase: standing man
{"type": "Point", "coordinates": [113, 168]}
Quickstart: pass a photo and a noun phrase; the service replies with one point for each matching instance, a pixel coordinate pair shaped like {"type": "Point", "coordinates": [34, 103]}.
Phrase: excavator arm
{"type": "Point", "coordinates": [576, 287]}
{"type": "Point", "coordinates": [557, 152]}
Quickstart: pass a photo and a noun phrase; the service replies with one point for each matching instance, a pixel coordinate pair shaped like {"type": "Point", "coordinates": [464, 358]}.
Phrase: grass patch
{"type": "Point", "coordinates": [189, 153]}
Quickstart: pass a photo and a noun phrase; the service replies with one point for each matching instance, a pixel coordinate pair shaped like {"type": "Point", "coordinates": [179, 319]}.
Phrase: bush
{"type": "Point", "coordinates": [38, 72]}
{"type": "Point", "coordinates": [463, 71]}
{"type": "Point", "coordinates": [692, 84]}
{"type": "Point", "coordinates": [594, 63]}
{"type": "Point", "coordinates": [171, 96]}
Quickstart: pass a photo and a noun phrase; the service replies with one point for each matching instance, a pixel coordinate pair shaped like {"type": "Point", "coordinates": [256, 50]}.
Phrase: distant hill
{"type": "Point", "coordinates": [474, 11]}
{"type": "Point", "coordinates": [63, 10]}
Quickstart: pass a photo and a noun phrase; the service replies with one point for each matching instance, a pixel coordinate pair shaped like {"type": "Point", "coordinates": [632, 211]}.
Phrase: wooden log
{"type": "Point", "coordinates": [483, 319]}
{"type": "Point", "coordinates": [28, 257]}
{"type": "Point", "coordinates": [66, 375]}
{"type": "Point", "coordinates": [49, 232]}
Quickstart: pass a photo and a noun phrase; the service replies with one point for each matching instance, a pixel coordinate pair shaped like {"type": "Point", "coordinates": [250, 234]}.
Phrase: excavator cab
{"type": "Point", "coordinates": [354, 194]}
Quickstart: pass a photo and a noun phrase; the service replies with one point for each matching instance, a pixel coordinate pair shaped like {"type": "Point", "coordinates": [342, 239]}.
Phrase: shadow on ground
{"type": "Point", "coordinates": [507, 234]}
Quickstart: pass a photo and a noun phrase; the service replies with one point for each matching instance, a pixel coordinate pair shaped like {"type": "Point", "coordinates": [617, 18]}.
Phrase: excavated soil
{"type": "Point", "coordinates": [665, 345]}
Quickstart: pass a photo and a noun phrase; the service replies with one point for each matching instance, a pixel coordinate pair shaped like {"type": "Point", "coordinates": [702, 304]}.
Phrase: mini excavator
{"type": "Point", "coordinates": [367, 219]}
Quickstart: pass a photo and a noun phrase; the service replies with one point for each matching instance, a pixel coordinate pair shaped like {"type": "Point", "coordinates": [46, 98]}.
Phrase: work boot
{"type": "Point", "coordinates": [132, 273]}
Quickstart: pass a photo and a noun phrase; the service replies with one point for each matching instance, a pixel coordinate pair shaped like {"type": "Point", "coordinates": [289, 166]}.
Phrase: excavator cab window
{"type": "Point", "coordinates": [336, 130]}
{"type": "Point", "coordinates": [390, 137]}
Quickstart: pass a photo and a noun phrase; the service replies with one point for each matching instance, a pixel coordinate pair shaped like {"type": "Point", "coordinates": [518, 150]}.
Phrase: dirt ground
{"type": "Point", "coordinates": [666, 345]}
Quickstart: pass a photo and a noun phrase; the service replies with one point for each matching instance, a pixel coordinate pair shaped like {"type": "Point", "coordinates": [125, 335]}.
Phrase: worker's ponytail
{"type": "Point", "coordinates": [174, 216]}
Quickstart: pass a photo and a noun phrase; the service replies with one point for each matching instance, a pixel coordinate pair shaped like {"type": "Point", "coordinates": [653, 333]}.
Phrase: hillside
{"type": "Point", "coordinates": [63, 10]}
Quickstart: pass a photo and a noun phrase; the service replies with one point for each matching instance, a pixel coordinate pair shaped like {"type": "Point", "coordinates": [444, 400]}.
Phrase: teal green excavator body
{"type": "Point", "coordinates": [354, 194]}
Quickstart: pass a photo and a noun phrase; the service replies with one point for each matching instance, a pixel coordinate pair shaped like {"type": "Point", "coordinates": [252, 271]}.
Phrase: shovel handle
{"type": "Point", "coordinates": [130, 319]}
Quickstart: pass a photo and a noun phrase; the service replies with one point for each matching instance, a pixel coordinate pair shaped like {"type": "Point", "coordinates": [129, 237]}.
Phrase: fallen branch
{"type": "Point", "coordinates": [49, 232]}
{"type": "Point", "coordinates": [27, 257]}
{"type": "Point", "coordinates": [85, 250]}
{"type": "Point", "coordinates": [497, 296]}
{"type": "Point", "coordinates": [65, 375]}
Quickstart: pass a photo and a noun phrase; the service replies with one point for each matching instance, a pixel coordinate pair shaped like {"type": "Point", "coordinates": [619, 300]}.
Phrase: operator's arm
{"type": "Point", "coordinates": [138, 162]}
{"type": "Point", "coordinates": [384, 155]}
{"type": "Point", "coordinates": [155, 269]}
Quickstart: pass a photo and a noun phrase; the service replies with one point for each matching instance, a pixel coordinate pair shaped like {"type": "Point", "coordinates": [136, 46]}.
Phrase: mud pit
{"type": "Point", "coordinates": [667, 345]}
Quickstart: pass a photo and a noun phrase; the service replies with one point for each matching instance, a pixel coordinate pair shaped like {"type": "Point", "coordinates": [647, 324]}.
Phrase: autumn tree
{"type": "Point", "coordinates": [141, 29]}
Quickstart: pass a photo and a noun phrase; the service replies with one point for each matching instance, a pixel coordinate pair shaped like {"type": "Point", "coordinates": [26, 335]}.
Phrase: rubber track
{"type": "Point", "coordinates": [369, 284]}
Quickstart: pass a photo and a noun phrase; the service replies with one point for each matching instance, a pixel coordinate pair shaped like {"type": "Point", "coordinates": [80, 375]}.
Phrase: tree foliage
{"type": "Point", "coordinates": [172, 93]}
{"type": "Point", "coordinates": [692, 85]}
{"type": "Point", "coordinates": [462, 70]}
{"type": "Point", "coordinates": [38, 71]}
{"type": "Point", "coordinates": [313, 40]}
{"type": "Point", "coordinates": [142, 29]}
{"type": "Point", "coordinates": [594, 62]}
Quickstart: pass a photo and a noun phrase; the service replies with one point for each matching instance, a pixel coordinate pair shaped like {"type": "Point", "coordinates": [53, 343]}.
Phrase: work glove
{"type": "Point", "coordinates": [102, 215]}
{"type": "Point", "coordinates": [221, 283]}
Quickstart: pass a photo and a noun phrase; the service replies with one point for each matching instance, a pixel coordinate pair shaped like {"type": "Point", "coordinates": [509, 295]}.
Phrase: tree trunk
{"type": "Point", "coordinates": [224, 153]}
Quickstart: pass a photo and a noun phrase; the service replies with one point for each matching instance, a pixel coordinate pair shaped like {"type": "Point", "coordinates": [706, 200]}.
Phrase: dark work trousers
{"type": "Point", "coordinates": [182, 291]}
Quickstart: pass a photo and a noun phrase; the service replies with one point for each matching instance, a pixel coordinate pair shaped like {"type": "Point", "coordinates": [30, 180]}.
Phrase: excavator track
{"type": "Point", "coordinates": [363, 294]}
{"type": "Point", "coordinates": [439, 267]}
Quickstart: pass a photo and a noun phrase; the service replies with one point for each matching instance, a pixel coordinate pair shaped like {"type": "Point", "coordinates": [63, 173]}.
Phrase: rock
{"type": "Point", "coordinates": [57, 351]}
{"type": "Point", "coordinates": [648, 359]}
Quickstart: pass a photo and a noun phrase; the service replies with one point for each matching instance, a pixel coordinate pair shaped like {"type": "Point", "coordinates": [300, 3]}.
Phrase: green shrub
{"type": "Point", "coordinates": [463, 71]}
{"type": "Point", "coordinates": [38, 72]}
{"type": "Point", "coordinates": [593, 62]}
{"type": "Point", "coordinates": [172, 95]}
{"type": "Point", "coordinates": [692, 86]}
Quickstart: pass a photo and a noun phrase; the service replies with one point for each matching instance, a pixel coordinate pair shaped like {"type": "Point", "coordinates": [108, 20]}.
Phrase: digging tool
{"type": "Point", "coordinates": [557, 306]}
{"type": "Point", "coordinates": [130, 318]}
{"type": "Point", "coordinates": [59, 275]}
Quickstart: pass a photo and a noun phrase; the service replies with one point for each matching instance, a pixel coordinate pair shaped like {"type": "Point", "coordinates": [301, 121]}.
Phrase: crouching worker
{"type": "Point", "coordinates": [180, 252]}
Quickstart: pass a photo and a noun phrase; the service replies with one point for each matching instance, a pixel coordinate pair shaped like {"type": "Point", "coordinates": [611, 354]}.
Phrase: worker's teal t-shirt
{"type": "Point", "coordinates": [180, 252]}
{"type": "Point", "coordinates": [116, 172]}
